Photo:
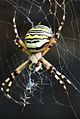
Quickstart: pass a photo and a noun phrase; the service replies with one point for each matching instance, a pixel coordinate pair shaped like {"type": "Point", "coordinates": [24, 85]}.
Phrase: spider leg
{"type": "Point", "coordinates": [5, 86]}
{"type": "Point", "coordinates": [57, 35]}
{"type": "Point", "coordinates": [57, 75]}
{"type": "Point", "coordinates": [18, 42]}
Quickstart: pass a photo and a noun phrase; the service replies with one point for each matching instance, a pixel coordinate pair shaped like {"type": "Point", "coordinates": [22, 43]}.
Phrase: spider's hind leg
{"type": "Point", "coordinates": [57, 75]}
{"type": "Point", "coordinates": [5, 86]}
{"type": "Point", "coordinates": [18, 42]}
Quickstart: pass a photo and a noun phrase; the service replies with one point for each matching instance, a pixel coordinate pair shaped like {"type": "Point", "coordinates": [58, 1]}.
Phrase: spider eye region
{"type": "Point", "coordinates": [38, 37]}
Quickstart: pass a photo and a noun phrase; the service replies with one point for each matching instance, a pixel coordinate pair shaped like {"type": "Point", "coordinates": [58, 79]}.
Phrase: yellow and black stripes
{"type": "Point", "coordinates": [39, 32]}
{"type": "Point", "coordinates": [37, 37]}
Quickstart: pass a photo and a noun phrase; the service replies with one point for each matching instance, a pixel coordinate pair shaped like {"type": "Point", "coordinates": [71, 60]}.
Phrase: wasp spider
{"type": "Point", "coordinates": [38, 42]}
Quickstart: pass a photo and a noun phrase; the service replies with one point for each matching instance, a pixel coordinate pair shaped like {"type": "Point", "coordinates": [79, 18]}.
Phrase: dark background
{"type": "Point", "coordinates": [71, 55]}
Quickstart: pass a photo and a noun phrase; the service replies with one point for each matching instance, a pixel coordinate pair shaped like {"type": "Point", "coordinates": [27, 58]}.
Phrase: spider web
{"type": "Point", "coordinates": [40, 87]}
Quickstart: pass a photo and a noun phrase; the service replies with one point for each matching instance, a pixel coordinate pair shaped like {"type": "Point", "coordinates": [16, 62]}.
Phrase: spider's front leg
{"type": "Point", "coordinates": [18, 42]}
{"type": "Point", "coordinates": [5, 86]}
{"type": "Point", "coordinates": [57, 75]}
